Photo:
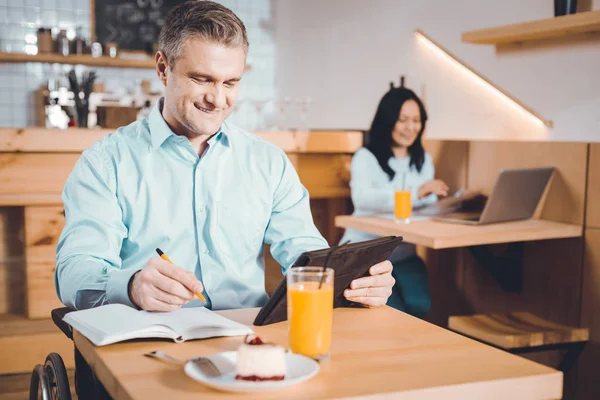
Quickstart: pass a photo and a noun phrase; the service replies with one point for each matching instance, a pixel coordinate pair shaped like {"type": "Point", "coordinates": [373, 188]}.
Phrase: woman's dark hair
{"type": "Point", "coordinates": [380, 135]}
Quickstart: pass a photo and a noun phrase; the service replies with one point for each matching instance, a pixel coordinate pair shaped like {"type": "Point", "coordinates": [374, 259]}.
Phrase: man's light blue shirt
{"type": "Point", "coordinates": [143, 187]}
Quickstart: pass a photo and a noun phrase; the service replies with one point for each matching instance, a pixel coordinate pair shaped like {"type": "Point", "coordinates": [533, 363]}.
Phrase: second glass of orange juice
{"type": "Point", "coordinates": [402, 206]}
{"type": "Point", "coordinates": [310, 311]}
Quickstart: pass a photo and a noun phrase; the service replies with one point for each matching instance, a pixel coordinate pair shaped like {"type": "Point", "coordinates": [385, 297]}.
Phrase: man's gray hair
{"type": "Point", "coordinates": [200, 19]}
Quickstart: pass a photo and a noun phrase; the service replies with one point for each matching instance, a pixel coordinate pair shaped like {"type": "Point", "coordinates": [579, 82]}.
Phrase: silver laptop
{"type": "Point", "coordinates": [515, 196]}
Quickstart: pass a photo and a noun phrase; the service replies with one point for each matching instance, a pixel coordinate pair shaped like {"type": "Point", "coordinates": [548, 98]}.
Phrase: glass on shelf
{"type": "Point", "coordinates": [259, 105]}
{"type": "Point", "coordinates": [303, 104]}
{"type": "Point", "coordinates": [281, 120]}
{"type": "Point", "coordinates": [269, 115]}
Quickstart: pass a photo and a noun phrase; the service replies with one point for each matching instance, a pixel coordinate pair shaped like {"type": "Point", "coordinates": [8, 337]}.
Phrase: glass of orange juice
{"type": "Point", "coordinates": [402, 206]}
{"type": "Point", "coordinates": [310, 311]}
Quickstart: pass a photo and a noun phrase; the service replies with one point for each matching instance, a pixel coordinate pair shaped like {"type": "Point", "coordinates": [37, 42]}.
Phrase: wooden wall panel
{"type": "Point", "coordinates": [41, 297]}
{"type": "Point", "coordinates": [551, 279]}
{"type": "Point", "coordinates": [450, 159]}
{"type": "Point", "coordinates": [565, 198]}
{"type": "Point", "coordinates": [43, 226]}
{"type": "Point", "coordinates": [324, 175]}
{"type": "Point", "coordinates": [11, 233]}
{"type": "Point", "coordinates": [445, 283]}
{"type": "Point", "coordinates": [588, 384]}
{"type": "Point", "coordinates": [25, 343]}
{"type": "Point", "coordinates": [12, 271]}
{"type": "Point", "coordinates": [593, 193]}
{"type": "Point", "coordinates": [12, 287]}
{"type": "Point", "coordinates": [318, 209]}
{"type": "Point", "coordinates": [34, 173]}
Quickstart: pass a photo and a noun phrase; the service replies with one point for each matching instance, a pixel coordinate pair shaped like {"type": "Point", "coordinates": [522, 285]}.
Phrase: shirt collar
{"type": "Point", "coordinates": [223, 136]}
{"type": "Point", "coordinates": [160, 131]}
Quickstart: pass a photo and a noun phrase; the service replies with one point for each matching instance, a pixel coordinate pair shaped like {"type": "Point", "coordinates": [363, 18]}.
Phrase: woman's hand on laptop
{"type": "Point", "coordinates": [436, 186]}
{"type": "Point", "coordinates": [161, 286]}
{"type": "Point", "coordinates": [374, 290]}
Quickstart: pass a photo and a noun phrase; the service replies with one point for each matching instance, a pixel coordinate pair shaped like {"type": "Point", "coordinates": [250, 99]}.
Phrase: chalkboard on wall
{"type": "Point", "coordinates": [133, 24]}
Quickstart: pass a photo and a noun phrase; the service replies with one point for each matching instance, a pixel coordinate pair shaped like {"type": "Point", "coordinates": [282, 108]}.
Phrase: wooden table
{"type": "Point", "coordinates": [442, 235]}
{"type": "Point", "coordinates": [379, 353]}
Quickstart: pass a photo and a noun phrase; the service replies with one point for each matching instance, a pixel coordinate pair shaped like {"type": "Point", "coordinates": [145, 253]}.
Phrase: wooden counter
{"type": "Point", "coordinates": [44, 140]}
{"type": "Point", "coordinates": [35, 162]}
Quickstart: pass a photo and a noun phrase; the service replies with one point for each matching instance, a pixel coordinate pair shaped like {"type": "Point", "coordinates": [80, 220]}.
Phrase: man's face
{"type": "Point", "coordinates": [202, 87]}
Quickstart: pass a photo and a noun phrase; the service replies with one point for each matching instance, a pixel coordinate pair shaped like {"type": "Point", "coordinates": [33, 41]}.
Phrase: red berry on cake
{"type": "Point", "coordinates": [260, 361]}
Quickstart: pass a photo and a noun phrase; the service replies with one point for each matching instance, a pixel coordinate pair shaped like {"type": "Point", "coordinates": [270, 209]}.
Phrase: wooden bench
{"type": "Point", "coordinates": [522, 332]}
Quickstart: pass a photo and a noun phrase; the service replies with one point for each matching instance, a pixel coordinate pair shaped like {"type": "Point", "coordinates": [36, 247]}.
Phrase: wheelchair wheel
{"type": "Point", "coordinates": [57, 377]}
{"type": "Point", "coordinates": [39, 386]}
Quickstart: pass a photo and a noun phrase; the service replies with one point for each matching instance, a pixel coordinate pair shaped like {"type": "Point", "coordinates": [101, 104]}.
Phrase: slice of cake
{"type": "Point", "coordinates": [260, 361]}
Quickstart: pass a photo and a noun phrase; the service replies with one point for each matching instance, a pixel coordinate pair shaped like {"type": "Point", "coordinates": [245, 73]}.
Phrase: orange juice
{"type": "Point", "coordinates": [310, 312]}
{"type": "Point", "coordinates": [402, 205]}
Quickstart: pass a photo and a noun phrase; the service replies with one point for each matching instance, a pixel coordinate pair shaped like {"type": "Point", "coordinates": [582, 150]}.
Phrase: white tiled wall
{"type": "Point", "coordinates": [18, 81]}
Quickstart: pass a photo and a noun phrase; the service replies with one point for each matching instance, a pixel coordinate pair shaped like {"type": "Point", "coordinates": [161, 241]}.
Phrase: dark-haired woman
{"type": "Point", "coordinates": [394, 160]}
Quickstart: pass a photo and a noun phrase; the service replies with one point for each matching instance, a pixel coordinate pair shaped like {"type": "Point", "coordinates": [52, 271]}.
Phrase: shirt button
{"type": "Point", "coordinates": [206, 251]}
{"type": "Point", "coordinates": [202, 208]}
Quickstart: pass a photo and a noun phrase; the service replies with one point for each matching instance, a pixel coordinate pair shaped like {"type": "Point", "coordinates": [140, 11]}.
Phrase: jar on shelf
{"type": "Point", "coordinates": [96, 49]}
{"type": "Point", "coordinates": [44, 40]}
{"type": "Point", "coordinates": [79, 43]}
{"type": "Point", "coordinates": [62, 43]}
{"type": "Point", "coordinates": [111, 49]}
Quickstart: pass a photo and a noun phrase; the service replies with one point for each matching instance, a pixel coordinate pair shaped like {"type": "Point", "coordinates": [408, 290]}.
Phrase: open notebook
{"type": "Point", "coordinates": [116, 322]}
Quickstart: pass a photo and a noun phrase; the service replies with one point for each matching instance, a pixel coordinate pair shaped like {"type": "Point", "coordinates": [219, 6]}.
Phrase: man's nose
{"type": "Point", "coordinates": [216, 97]}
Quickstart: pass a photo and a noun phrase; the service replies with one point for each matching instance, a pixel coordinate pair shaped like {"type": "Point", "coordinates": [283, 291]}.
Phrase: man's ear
{"type": "Point", "coordinates": [162, 66]}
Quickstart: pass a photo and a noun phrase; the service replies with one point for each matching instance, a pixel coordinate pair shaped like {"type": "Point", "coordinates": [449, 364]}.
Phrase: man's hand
{"type": "Point", "coordinates": [436, 186]}
{"type": "Point", "coordinates": [374, 290]}
{"type": "Point", "coordinates": [162, 286]}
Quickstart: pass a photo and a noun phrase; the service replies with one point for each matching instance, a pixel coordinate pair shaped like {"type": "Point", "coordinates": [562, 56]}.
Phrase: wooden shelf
{"type": "Point", "coordinates": [84, 59]}
{"type": "Point", "coordinates": [583, 22]}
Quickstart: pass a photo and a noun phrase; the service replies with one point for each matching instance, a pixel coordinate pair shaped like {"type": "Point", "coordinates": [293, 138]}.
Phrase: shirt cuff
{"type": "Point", "coordinates": [116, 288]}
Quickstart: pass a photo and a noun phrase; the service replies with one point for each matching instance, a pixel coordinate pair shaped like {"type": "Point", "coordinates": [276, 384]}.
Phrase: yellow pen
{"type": "Point", "coordinates": [164, 257]}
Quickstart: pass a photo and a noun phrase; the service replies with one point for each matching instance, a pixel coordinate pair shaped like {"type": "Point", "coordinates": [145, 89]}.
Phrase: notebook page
{"type": "Point", "coordinates": [112, 323]}
{"type": "Point", "coordinates": [200, 322]}
{"type": "Point", "coordinates": [116, 322]}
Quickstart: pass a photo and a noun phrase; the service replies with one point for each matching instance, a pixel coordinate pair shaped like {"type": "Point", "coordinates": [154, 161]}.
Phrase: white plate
{"type": "Point", "coordinates": [298, 369]}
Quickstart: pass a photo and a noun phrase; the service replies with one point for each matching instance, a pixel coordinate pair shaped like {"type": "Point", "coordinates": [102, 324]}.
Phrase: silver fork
{"type": "Point", "coordinates": [205, 364]}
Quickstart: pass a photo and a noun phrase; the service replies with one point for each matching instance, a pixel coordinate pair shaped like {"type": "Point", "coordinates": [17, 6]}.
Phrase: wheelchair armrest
{"type": "Point", "coordinates": [57, 316]}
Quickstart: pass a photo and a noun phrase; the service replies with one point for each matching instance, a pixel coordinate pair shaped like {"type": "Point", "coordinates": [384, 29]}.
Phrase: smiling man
{"type": "Point", "coordinates": [184, 180]}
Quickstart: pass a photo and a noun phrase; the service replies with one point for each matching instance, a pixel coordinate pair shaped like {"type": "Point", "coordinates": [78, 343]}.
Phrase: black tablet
{"type": "Point", "coordinates": [349, 262]}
